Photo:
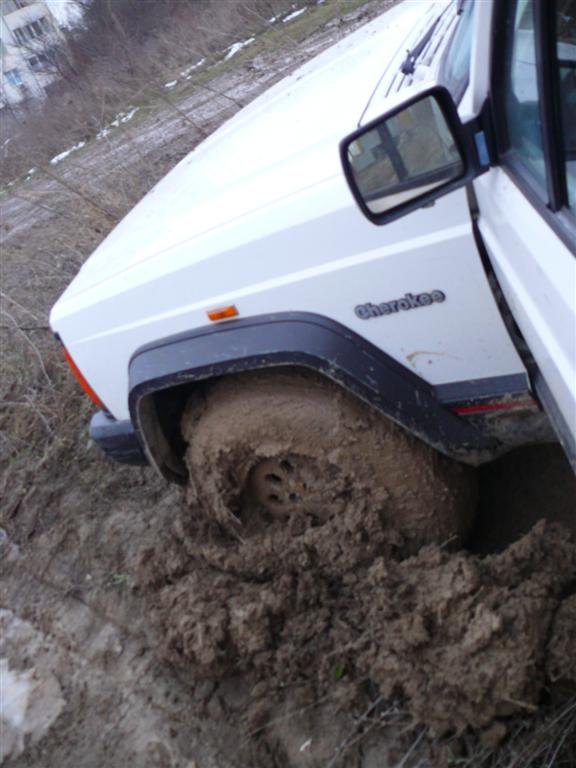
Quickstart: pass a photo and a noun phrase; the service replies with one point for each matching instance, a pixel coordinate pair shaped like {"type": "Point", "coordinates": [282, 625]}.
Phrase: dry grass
{"type": "Point", "coordinates": [127, 71]}
{"type": "Point", "coordinates": [80, 107]}
{"type": "Point", "coordinates": [40, 403]}
{"type": "Point", "coordinates": [547, 740]}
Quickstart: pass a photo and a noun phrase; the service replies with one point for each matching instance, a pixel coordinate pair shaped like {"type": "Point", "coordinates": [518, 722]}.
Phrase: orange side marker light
{"type": "Point", "coordinates": [221, 313]}
{"type": "Point", "coordinates": [81, 380]}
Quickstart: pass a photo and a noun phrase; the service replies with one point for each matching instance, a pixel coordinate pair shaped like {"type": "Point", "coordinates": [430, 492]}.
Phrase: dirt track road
{"type": "Point", "coordinates": [139, 635]}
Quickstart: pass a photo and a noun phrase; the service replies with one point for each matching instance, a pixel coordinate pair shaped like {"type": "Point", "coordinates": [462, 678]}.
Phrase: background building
{"type": "Point", "coordinates": [28, 31]}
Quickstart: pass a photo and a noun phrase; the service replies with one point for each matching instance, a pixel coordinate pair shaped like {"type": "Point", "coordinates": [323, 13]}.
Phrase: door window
{"type": "Point", "coordinates": [521, 101]}
{"type": "Point", "coordinates": [535, 96]}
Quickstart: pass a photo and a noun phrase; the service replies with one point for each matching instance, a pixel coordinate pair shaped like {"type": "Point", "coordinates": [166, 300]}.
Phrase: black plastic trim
{"type": "Point", "coordinates": [409, 64]}
{"type": "Point", "coordinates": [310, 341]}
{"type": "Point", "coordinates": [477, 390]}
{"type": "Point", "coordinates": [546, 71]}
{"type": "Point", "coordinates": [117, 439]}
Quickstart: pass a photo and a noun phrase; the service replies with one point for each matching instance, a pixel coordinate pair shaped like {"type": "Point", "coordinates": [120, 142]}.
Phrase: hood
{"type": "Point", "coordinates": [284, 142]}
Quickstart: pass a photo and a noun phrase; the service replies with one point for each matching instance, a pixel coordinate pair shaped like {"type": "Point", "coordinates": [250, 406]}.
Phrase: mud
{"type": "Point", "coordinates": [147, 633]}
{"type": "Point", "coordinates": [335, 596]}
{"type": "Point", "coordinates": [287, 448]}
{"type": "Point", "coordinates": [561, 661]}
{"type": "Point", "coordinates": [463, 641]}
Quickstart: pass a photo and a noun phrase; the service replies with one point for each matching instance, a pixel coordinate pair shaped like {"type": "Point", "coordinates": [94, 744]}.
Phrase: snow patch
{"type": "Point", "coordinates": [294, 15]}
{"type": "Point", "coordinates": [124, 118]}
{"type": "Point", "coordinates": [8, 550]}
{"type": "Point", "coordinates": [64, 155]}
{"type": "Point", "coordinates": [15, 694]}
{"type": "Point", "coordinates": [30, 702]}
{"type": "Point", "coordinates": [186, 72]}
{"type": "Point", "coordinates": [233, 50]}
{"type": "Point", "coordinates": [121, 118]}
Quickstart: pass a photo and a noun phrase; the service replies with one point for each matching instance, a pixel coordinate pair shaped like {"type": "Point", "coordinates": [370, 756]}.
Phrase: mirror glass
{"type": "Point", "coordinates": [404, 156]}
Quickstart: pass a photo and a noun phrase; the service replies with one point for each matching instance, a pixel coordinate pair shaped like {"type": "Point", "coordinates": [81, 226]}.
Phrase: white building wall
{"type": "Point", "coordinates": [22, 76]}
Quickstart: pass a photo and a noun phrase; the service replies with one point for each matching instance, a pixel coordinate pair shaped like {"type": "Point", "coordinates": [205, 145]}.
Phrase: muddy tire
{"type": "Point", "coordinates": [284, 447]}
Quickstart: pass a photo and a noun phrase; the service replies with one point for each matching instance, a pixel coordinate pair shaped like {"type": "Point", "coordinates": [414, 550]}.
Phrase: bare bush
{"type": "Point", "coordinates": [123, 52]}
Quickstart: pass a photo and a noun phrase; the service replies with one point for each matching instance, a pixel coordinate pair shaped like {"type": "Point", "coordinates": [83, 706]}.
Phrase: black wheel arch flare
{"type": "Point", "coordinates": [161, 375]}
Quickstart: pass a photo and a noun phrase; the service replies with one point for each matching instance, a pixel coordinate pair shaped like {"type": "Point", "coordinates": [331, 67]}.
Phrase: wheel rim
{"type": "Point", "coordinates": [295, 486]}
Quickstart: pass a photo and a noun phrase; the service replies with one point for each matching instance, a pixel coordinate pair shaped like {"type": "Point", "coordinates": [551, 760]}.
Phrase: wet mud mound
{"type": "Point", "coordinates": [335, 612]}
{"type": "Point", "coordinates": [467, 641]}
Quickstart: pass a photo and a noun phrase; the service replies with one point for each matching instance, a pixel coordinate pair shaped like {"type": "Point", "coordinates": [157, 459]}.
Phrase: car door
{"type": "Point", "coordinates": [527, 203]}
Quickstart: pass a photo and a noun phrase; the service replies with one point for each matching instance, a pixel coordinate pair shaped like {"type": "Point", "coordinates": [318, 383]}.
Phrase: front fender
{"type": "Point", "coordinates": [173, 365]}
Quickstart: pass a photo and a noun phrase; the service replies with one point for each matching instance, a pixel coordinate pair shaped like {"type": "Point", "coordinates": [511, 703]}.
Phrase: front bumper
{"type": "Point", "coordinates": [117, 439]}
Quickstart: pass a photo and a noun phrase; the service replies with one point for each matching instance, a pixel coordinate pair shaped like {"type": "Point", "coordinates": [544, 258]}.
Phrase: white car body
{"type": "Point", "coordinates": [260, 216]}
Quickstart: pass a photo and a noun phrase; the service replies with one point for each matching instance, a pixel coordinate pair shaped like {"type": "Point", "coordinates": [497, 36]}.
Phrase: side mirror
{"type": "Point", "coordinates": [411, 156]}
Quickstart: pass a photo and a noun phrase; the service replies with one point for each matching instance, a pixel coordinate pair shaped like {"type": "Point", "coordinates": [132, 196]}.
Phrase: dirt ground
{"type": "Point", "coordinates": [137, 629]}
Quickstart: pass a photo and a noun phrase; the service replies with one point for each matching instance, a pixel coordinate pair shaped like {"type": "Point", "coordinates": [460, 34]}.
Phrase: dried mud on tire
{"type": "Point", "coordinates": [323, 453]}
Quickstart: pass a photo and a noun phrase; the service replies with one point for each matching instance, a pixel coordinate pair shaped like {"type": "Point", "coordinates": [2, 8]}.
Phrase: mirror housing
{"type": "Point", "coordinates": [412, 155]}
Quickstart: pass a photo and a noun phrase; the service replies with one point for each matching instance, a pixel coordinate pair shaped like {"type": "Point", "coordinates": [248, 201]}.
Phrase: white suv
{"type": "Point", "coordinates": [439, 296]}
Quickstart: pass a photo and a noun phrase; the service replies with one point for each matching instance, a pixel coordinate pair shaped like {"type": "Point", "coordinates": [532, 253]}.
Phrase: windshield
{"type": "Point", "coordinates": [456, 68]}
